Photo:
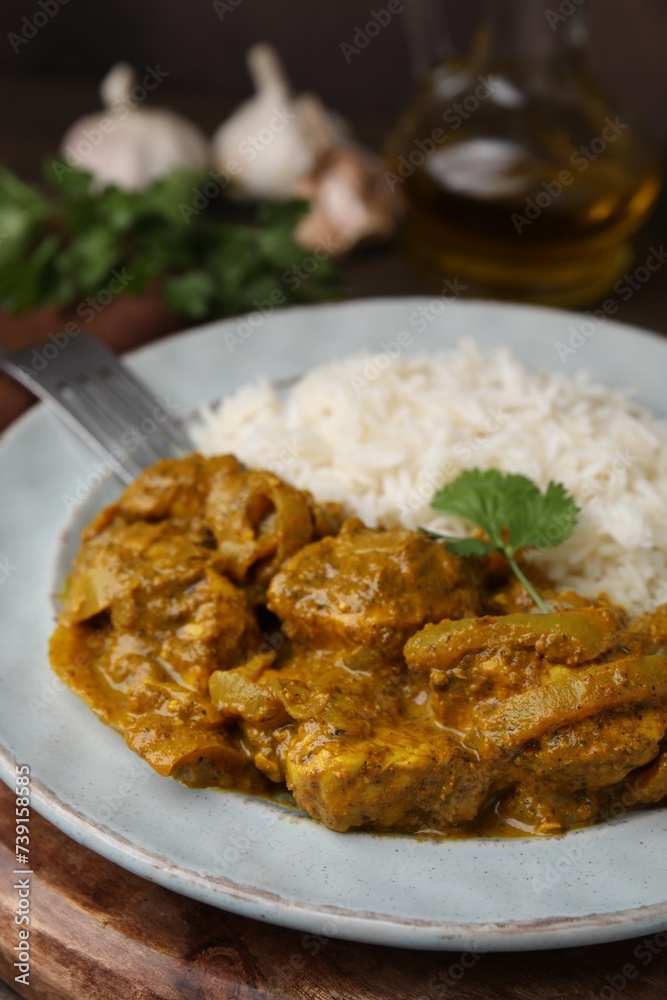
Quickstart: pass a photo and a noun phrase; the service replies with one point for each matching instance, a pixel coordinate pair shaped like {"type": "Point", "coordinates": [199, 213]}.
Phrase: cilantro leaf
{"type": "Point", "coordinates": [548, 519]}
{"type": "Point", "coordinates": [90, 257]}
{"type": "Point", "coordinates": [191, 292]}
{"type": "Point", "coordinates": [513, 513]}
{"type": "Point", "coordinates": [466, 547]}
{"type": "Point", "coordinates": [64, 246]}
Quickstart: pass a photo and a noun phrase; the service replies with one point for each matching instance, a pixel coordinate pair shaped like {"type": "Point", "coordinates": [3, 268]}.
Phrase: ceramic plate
{"type": "Point", "coordinates": [246, 854]}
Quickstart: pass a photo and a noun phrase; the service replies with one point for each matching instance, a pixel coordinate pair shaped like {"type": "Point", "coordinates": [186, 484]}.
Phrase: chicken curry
{"type": "Point", "coordinates": [240, 635]}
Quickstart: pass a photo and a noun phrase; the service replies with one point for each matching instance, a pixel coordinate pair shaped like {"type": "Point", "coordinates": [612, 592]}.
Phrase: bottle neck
{"type": "Point", "coordinates": [517, 37]}
{"type": "Point", "coordinates": [428, 35]}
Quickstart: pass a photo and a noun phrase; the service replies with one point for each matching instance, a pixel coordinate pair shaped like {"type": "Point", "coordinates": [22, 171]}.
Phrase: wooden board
{"type": "Point", "coordinates": [98, 932]}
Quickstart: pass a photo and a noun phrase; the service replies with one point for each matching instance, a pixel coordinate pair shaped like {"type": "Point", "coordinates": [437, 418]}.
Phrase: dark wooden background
{"type": "Point", "coordinates": [201, 50]}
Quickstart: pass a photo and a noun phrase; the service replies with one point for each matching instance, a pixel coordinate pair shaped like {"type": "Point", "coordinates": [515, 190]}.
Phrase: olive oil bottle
{"type": "Point", "coordinates": [523, 181]}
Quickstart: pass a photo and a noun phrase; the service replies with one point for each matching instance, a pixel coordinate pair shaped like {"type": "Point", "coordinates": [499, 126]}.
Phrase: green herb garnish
{"type": "Point", "coordinates": [512, 512]}
{"type": "Point", "coordinates": [70, 242]}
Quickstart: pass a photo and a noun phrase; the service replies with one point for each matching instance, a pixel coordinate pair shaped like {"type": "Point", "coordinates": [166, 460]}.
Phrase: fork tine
{"type": "Point", "coordinates": [102, 404]}
{"type": "Point", "coordinates": [135, 397]}
{"type": "Point", "coordinates": [70, 412]}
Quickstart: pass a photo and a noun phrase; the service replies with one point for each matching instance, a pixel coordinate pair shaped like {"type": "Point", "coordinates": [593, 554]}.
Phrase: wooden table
{"type": "Point", "coordinates": [100, 932]}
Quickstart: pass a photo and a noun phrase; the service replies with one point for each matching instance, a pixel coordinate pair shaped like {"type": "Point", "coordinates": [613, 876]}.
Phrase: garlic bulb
{"type": "Point", "coordinates": [131, 146]}
{"type": "Point", "coordinates": [276, 145]}
{"type": "Point", "coordinates": [266, 146]}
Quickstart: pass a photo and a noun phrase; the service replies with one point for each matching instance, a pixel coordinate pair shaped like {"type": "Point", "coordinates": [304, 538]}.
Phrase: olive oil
{"type": "Point", "coordinates": [521, 179]}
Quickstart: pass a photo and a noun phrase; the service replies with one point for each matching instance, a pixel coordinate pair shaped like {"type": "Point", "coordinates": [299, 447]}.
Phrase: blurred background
{"type": "Point", "coordinates": [53, 54]}
{"type": "Point", "coordinates": [54, 77]}
{"type": "Point", "coordinates": [203, 51]}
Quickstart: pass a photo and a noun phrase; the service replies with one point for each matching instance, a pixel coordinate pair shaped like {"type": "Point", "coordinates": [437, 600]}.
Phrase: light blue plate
{"type": "Point", "coordinates": [245, 854]}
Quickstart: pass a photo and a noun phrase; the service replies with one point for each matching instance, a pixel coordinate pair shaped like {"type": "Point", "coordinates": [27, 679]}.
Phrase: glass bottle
{"type": "Point", "coordinates": [522, 179]}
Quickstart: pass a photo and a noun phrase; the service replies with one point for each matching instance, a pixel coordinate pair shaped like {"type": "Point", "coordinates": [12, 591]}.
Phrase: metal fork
{"type": "Point", "coordinates": [99, 399]}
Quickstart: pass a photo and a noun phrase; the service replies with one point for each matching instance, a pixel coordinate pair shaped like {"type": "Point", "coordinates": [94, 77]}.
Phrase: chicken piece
{"type": "Point", "coordinates": [175, 488]}
{"type": "Point", "coordinates": [153, 580]}
{"type": "Point", "coordinates": [596, 752]}
{"type": "Point", "coordinates": [371, 587]}
{"type": "Point", "coordinates": [586, 772]}
{"type": "Point", "coordinates": [113, 564]}
{"type": "Point", "coordinates": [180, 736]}
{"type": "Point", "coordinates": [356, 742]}
{"type": "Point", "coordinates": [208, 628]}
{"type": "Point", "coordinates": [397, 778]}
{"type": "Point", "coordinates": [258, 521]}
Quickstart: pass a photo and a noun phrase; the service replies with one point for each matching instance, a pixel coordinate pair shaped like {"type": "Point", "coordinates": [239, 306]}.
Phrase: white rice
{"type": "Point", "coordinates": [381, 441]}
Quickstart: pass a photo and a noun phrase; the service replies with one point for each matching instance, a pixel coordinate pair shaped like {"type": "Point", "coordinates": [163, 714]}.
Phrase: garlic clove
{"type": "Point", "coordinates": [324, 129]}
{"type": "Point", "coordinates": [129, 145]}
{"type": "Point", "coordinates": [350, 202]}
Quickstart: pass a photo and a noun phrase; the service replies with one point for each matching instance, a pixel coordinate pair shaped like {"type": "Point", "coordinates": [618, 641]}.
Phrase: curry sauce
{"type": "Point", "coordinates": [240, 635]}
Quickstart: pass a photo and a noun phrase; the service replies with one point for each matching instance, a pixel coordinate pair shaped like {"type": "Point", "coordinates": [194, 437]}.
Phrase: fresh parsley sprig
{"type": "Point", "coordinates": [63, 243]}
{"type": "Point", "coordinates": [512, 512]}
